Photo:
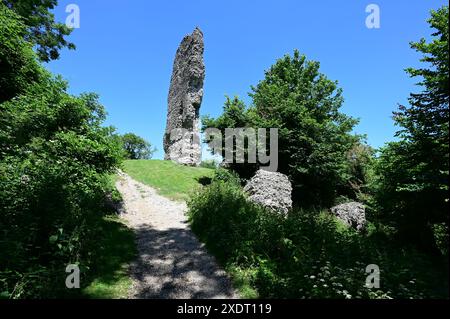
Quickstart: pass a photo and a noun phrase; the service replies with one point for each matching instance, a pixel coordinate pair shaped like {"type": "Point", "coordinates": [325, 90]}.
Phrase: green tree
{"type": "Point", "coordinates": [360, 160]}
{"type": "Point", "coordinates": [136, 147]}
{"type": "Point", "coordinates": [314, 137]}
{"type": "Point", "coordinates": [413, 183]}
{"type": "Point", "coordinates": [235, 115]}
{"type": "Point", "coordinates": [18, 66]}
{"type": "Point", "coordinates": [55, 160]}
{"type": "Point", "coordinates": [42, 30]}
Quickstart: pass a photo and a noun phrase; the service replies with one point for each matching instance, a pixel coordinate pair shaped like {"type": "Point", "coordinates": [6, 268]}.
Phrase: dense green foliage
{"type": "Point", "coordinates": [309, 254]}
{"type": "Point", "coordinates": [314, 137]}
{"type": "Point", "coordinates": [136, 147]}
{"type": "Point", "coordinates": [18, 67]}
{"type": "Point", "coordinates": [412, 188]}
{"type": "Point", "coordinates": [55, 161]}
{"type": "Point", "coordinates": [41, 28]}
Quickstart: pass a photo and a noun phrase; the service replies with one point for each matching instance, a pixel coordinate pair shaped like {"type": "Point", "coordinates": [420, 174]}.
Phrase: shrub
{"type": "Point", "coordinates": [55, 158]}
{"type": "Point", "coordinates": [308, 254]}
{"type": "Point", "coordinates": [209, 164]}
{"type": "Point", "coordinates": [18, 64]}
{"type": "Point", "coordinates": [55, 162]}
{"type": "Point", "coordinates": [224, 175]}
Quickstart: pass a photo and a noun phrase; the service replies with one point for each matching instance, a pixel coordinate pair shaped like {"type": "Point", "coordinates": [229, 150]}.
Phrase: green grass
{"type": "Point", "coordinates": [115, 250]}
{"type": "Point", "coordinates": [171, 180]}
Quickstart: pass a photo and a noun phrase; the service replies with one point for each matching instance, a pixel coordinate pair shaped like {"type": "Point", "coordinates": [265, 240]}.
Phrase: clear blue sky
{"type": "Point", "coordinates": [125, 52]}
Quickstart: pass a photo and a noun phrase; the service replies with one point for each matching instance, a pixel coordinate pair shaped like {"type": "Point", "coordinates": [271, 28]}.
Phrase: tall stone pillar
{"type": "Point", "coordinates": [182, 136]}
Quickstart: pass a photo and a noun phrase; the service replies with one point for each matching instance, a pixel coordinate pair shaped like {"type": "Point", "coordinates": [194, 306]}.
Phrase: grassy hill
{"type": "Point", "coordinates": [171, 180]}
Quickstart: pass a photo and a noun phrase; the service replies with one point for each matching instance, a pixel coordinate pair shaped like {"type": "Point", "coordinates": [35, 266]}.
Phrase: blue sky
{"type": "Point", "coordinates": [125, 53]}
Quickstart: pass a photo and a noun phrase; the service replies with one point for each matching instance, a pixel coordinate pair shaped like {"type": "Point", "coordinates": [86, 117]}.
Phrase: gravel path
{"type": "Point", "coordinates": [171, 262]}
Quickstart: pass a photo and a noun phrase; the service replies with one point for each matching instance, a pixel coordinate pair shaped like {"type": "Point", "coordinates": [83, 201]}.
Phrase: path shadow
{"type": "Point", "coordinates": [173, 264]}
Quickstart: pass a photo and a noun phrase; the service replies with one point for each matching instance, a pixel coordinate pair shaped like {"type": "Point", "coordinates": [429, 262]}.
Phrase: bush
{"type": "Point", "coordinates": [308, 254]}
{"type": "Point", "coordinates": [224, 175]}
{"type": "Point", "coordinates": [55, 161]}
{"type": "Point", "coordinates": [209, 164]}
{"type": "Point", "coordinates": [18, 64]}
{"type": "Point", "coordinates": [55, 164]}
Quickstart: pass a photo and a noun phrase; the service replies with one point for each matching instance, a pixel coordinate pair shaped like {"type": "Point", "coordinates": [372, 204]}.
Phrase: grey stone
{"type": "Point", "coordinates": [270, 189]}
{"type": "Point", "coordinates": [352, 214]}
{"type": "Point", "coordinates": [182, 137]}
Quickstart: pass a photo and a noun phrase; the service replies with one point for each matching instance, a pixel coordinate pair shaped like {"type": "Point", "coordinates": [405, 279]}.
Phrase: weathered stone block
{"type": "Point", "coordinates": [270, 189]}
